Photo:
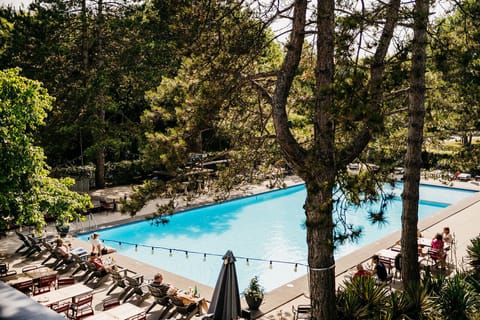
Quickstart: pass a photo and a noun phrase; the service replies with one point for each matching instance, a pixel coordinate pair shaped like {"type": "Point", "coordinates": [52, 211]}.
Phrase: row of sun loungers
{"type": "Point", "coordinates": [45, 280]}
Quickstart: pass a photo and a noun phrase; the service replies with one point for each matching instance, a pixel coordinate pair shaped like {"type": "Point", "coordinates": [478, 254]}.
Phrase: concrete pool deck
{"type": "Point", "coordinates": [461, 218]}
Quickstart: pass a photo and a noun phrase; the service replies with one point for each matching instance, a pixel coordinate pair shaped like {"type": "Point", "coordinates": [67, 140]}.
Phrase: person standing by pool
{"type": "Point", "coordinates": [447, 236]}
{"type": "Point", "coordinates": [98, 246]}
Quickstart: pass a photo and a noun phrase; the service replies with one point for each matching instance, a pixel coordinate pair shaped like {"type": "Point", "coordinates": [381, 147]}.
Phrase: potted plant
{"type": "Point", "coordinates": [63, 228]}
{"type": "Point", "coordinates": [254, 294]}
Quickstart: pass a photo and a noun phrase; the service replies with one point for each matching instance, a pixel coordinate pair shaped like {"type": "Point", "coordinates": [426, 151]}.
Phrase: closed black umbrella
{"type": "Point", "coordinates": [225, 303]}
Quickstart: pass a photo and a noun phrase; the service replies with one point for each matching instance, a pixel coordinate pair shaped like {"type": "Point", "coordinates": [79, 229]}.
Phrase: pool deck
{"type": "Point", "coordinates": [461, 218]}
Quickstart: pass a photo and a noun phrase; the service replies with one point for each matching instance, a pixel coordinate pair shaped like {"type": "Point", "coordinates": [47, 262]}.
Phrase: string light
{"type": "Point", "coordinates": [187, 253]}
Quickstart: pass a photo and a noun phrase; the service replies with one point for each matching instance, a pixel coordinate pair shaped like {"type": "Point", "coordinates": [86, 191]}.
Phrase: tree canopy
{"type": "Point", "coordinates": [27, 193]}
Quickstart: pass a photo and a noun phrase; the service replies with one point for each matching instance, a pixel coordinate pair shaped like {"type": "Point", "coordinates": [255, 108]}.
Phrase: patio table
{"type": "Point", "coordinates": [65, 293]}
{"type": "Point", "coordinates": [123, 311]}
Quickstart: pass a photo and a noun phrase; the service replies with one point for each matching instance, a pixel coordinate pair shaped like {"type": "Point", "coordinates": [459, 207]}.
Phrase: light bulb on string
{"type": "Point", "coordinates": [170, 253]}
{"type": "Point", "coordinates": [271, 265]}
{"type": "Point", "coordinates": [204, 257]}
{"type": "Point", "coordinates": [295, 268]}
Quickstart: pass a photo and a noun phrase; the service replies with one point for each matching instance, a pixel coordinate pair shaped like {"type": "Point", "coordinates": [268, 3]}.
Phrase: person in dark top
{"type": "Point", "coordinates": [379, 269]}
{"type": "Point", "coordinates": [158, 283]}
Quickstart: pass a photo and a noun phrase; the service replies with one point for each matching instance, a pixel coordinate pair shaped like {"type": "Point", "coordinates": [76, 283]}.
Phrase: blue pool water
{"type": "Point", "coordinates": [268, 226]}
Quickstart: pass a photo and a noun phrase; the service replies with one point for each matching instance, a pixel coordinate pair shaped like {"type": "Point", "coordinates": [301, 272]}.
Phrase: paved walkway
{"type": "Point", "coordinates": [462, 218]}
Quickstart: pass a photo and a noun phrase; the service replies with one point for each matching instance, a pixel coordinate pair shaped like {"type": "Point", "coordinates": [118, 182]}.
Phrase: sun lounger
{"type": "Point", "coordinates": [119, 278]}
{"type": "Point", "coordinates": [161, 299]}
{"type": "Point", "coordinates": [186, 311]}
{"type": "Point", "coordinates": [136, 288]}
{"type": "Point", "coordinates": [97, 277]}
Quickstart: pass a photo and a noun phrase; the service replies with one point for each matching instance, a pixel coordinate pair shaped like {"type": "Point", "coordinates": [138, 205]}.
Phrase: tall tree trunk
{"type": "Point", "coordinates": [319, 165]}
{"type": "Point", "coordinates": [100, 104]}
{"type": "Point", "coordinates": [319, 221]}
{"type": "Point", "coordinates": [413, 159]}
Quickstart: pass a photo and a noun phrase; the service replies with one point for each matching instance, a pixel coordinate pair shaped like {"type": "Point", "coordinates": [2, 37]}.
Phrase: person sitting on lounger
{"type": "Point", "coordinates": [158, 283]}
{"type": "Point", "coordinates": [63, 250]}
{"type": "Point", "coordinates": [97, 246]}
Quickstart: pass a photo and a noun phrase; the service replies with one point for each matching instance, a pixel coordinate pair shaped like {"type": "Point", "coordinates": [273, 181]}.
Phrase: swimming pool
{"type": "Point", "coordinates": [268, 226]}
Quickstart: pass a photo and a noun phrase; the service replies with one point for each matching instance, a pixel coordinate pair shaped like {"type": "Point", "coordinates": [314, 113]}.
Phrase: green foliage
{"type": "Point", "coordinates": [361, 298]}
{"type": "Point", "coordinates": [455, 53]}
{"type": "Point", "coordinates": [27, 194]}
{"type": "Point", "coordinates": [457, 299]}
{"type": "Point", "coordinates": [413, 302]}
{"type": "Point", "coordinates": [473, 251]}
{"type": "Point", "coordinates": [254, 289]}
{"type": "Point", "coordinates": [147, 191]}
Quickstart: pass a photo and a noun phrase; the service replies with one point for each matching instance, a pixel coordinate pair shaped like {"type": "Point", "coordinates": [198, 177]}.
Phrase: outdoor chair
{"type": "Point", "coordinates": [303, 311]}
{"type": "Point", "coordinates": [26, 244]}
{"type": "Point", "coordinates": [65, 281]}
{"type": "Point", "coordinates": [136, 288]}
{"type": "Point", "coordinates": [433, 258]}
{"type": "Point", "coordinates": [30, 267]}
{"type": "Point", "coordinates": [185, 311]}
{"type": "Point", "coordinates": [140, 316]}
{"type": "Point", "coordinates": [110, 302]}
{"type": "Point", "coordinates": [81, 307]}
{"type": "Point", "coordinates": [51, 250]}
{"type": "Point", "coordinates": [119, 278]}
{"type": "Point", "coordinates": [65, 264]}
{"type": "Point", "coordinates": [36, 246]}
{"type": "Point", "coordinates": [24, 286]}
{"type": "Point", "coordinates": [81, 265]}
{"type": "Point", "coordinates": [96, 275]}
{"type": "Point", "coordinates": [62, 307]}
{"type": "Point", "coordinates": [160, 298]}
{"type": "Point", "coordinates": [4, 270]}
{"type": "Point", "coordinates": [45, 283]}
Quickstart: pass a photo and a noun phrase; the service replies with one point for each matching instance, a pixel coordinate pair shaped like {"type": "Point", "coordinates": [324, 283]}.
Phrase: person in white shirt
{"type": "Point", "coordinates": [97, 246]}
{"type": "Point", "coordinates": [447, 236]}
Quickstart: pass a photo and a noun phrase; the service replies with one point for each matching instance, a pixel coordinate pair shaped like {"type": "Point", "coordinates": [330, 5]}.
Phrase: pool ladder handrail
{"type": "Point", "coordinates": [92, 223]}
